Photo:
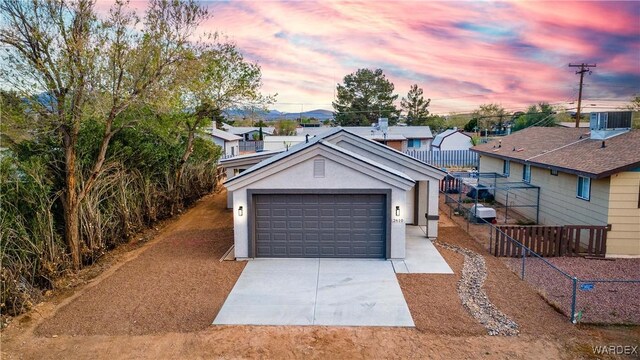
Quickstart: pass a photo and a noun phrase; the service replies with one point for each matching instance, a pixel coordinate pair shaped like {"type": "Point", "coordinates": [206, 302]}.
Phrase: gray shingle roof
{"type": "Point", "coordinates": [223, 135]}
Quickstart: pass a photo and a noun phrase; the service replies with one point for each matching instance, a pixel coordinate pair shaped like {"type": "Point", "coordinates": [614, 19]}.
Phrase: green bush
{"type": "Point", "coordinates": [134, 191]}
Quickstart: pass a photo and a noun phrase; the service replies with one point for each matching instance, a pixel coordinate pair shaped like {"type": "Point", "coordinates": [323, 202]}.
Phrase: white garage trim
{"type": "Point", "coordinates": [252, 215]}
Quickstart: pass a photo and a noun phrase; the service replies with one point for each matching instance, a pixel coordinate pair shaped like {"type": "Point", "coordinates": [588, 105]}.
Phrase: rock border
{"type": "Point", "coordinates": [475, 299]}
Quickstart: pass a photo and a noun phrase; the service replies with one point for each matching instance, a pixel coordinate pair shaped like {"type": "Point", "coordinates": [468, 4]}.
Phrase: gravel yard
{"type": "Point", "coordinates": [614, 303]}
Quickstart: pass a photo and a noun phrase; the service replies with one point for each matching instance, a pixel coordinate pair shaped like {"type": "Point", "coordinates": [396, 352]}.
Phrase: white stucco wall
{"type": "Point", "coordinates": [409, 213]}
{"type": "Point", "coordinates": [232, 148]}
{"type": "Point", "coordinates": [337, 176]}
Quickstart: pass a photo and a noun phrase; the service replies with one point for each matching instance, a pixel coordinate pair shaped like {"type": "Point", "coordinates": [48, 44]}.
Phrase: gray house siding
{"type": "Point", "coordinates": [558, 202]}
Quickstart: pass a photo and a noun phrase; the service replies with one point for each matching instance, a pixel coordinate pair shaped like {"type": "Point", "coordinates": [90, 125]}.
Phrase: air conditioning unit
{"type": "Point", "coordinates": [604, 125]}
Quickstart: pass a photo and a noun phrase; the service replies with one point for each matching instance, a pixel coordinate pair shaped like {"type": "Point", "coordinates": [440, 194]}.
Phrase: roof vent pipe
{"type": "Point", "coordinates": [603, 144]}
{"type": "Point", "coordinates": [307, 137]}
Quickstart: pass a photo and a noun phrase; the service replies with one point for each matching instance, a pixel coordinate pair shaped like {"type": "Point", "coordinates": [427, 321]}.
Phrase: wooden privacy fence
{"type": "Point", "coordinates": [576, 244]}
{"type": "Point", "coordinates": [446, 158]}
{"type": "Point", "coordinates": [550, 241]}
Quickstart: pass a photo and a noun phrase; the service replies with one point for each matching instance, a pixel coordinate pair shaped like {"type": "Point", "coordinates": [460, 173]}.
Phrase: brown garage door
{"type": "Point", "coordinates": [320, 225]}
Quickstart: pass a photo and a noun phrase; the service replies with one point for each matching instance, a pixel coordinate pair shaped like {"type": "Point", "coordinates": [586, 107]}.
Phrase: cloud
{"type": "Point", "coordinates": [462, 53]}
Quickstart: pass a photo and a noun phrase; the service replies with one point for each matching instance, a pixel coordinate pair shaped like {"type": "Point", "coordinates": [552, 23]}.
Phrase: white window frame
{"type": "Point", "coordinates": [526, 173]}
{"type": "Point", "coordinates": [506, 168]}
{"type": "Point", "coordinates": [580, 188]}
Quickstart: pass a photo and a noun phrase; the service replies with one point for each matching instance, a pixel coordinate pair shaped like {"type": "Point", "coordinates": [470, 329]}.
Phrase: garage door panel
{"type": "Point", "coordinates": [311, 212]}
{"type": "Point", "coordinates": [311, 251]}
{"type": "Point", "coordinates": [343, 212]}
{"type": "Point", "coordinates": [327, 225]}
{"type": "Point", "coordinates": [320, 225]}
{"type": "Point", "coordinates": [293, 224]}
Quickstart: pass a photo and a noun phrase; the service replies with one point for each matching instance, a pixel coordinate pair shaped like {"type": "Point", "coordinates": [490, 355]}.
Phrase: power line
{"type": "Point", "coordinates": [584, 68]}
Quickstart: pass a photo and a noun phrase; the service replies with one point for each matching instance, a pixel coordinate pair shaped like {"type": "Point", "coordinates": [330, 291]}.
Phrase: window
{"type": "Point", "coordinates": [506, 167]}
{"type": "Point", "coordinates": [584, 188]}
{"type": "Point", "coordinates": [526, 173]}
{"type": "Point", "coordinates": [554, 172]}
{"type": "Point", "coordinates": [413, 143]}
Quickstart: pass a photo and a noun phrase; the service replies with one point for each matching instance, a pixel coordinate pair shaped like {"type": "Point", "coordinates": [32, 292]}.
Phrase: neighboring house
{"type": "Point", "coordinates": [248, 133]}
{"type": "Point", "coordinates": [229, 143]}
{"type": "Point", "coordinates": [400, 138]}
{"type": "Point", "coordinates": [586, 177]}
{"type": "Point", "coordinates": [339, 195]}
{"type": "Point", "coordinates": [236, 165]}
{"type": "Point", "coordinates": [451, 139]}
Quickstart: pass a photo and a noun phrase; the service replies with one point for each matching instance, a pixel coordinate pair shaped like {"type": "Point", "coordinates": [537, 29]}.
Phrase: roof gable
{"type": "Point", "coordinates": [408, 163]}
{"type": "Point", "coordinates": [437, 141]}
{"type": "Point", "coordinates": [328, 151]}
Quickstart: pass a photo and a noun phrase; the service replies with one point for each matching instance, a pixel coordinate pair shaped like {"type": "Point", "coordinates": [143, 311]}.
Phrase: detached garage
{"type": "Point", "coordinates": [320, 199]}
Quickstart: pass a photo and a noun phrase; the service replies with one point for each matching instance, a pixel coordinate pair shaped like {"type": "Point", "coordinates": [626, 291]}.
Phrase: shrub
{"type": "Point", "coordinates": [132, 193]}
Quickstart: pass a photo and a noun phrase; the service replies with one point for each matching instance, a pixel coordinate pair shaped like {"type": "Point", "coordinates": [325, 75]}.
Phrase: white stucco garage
{"type": "Point", "coordinates": [337, 196]}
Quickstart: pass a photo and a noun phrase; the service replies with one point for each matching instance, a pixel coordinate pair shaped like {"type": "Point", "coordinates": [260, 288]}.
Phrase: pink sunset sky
{"type": "Point", "coordinates": [462, 54]}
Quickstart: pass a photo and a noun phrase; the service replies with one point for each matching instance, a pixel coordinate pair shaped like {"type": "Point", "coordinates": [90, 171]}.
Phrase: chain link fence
{"type": "Point", "coordinates": [582, 299]}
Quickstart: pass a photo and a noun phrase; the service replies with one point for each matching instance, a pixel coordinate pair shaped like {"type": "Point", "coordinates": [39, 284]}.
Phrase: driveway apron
{"type": "Point", "coordinates": [330, 292]}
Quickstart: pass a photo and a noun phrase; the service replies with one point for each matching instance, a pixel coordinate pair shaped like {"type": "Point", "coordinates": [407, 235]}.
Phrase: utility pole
{"type": "Point", "coordinates": [584, 68]}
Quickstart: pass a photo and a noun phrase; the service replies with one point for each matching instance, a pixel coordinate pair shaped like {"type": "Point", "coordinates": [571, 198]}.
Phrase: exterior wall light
{"type": "Point", "coordinates": [397, 210]}
{"type": "Point", "coordinates": [240, 211]}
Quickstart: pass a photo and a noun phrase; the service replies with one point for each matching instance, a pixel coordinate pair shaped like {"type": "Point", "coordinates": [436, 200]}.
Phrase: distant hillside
{"type": "Point", "coordinates": [272, 115]}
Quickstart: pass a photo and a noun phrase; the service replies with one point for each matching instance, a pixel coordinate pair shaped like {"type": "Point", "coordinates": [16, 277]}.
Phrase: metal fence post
{"type": "Point", "coordinates": [573, 300]}
{"type": "Point", "coordinates": [523, 260]}
{"type": "Point", "coordinates": [491, 239]}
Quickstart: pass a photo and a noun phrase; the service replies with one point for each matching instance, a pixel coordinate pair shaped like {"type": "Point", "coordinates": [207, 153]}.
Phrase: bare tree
{"type": "Point", "coordinates": [84, 67]}
{"type": "Point", "coordinates": [217, 79]}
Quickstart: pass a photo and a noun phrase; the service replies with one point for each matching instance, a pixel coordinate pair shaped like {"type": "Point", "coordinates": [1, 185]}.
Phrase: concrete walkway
{"type": "Point", "coordinates": [422, 256]}
{"type": "Point", "coordinates": [334, 292]}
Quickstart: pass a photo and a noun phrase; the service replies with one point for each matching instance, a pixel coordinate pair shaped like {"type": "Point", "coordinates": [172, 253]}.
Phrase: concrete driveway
{"type": "Point", "coordinates": [316, 292]}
